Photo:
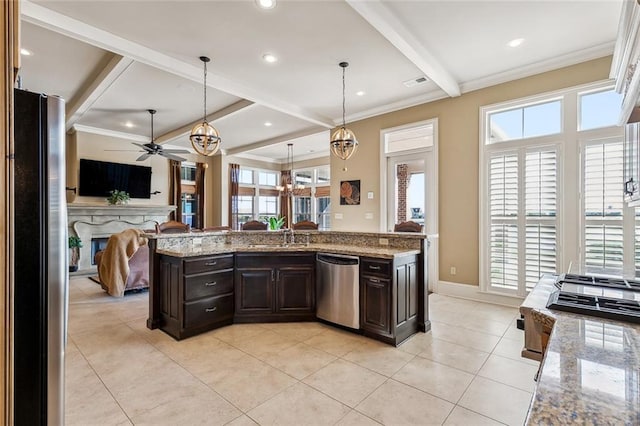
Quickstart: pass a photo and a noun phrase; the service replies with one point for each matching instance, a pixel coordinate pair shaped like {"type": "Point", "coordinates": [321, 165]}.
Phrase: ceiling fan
{"type": "Point", "coordinates": [153, 148]}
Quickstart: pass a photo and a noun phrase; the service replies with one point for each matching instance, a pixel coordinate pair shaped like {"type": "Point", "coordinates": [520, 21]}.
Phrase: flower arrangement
{"type": "Point", "coordinates": [118, 197]}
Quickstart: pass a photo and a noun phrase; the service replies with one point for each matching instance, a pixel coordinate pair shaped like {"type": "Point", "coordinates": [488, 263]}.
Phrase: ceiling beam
{"type": "Point", "coordinates": [95, 87]}
{"type": "Point", "coordinates": [276, 140]}
{"type": "Point", "coordinates": [391, 28]}
{"type": "Point", "coordinates": [54, 21]}
{"type": "Point", "coordinates": [224, 112]}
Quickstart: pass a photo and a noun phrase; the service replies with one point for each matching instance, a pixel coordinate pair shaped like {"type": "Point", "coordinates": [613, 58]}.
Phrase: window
{"type": "Point", "coordinates": [525, 122]}
{"type": "Point", "coordinates": [188, 197]}
{"type": "Point", "coordinates": [256, 200]}
{"type": "Point", "coordinates": [522, 237]}
{"type": "Point", "coordinates": [527, 199]}
{"type": "Point", "coordinates": [603, 207]}
{"type": "Point", "coordinates": [313, 202]}
{"type": "Point", "coordinates": [599, 109]}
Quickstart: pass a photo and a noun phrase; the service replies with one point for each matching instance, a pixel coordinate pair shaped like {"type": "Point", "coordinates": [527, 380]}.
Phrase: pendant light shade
{"type": "Point", "coordinates": [205, 138]}
{"type": "Point", "coordinates": [343, 141]}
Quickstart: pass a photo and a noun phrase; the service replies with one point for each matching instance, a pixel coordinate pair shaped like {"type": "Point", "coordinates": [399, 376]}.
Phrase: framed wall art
{"type": "Point", "coordinates": [349, 192]}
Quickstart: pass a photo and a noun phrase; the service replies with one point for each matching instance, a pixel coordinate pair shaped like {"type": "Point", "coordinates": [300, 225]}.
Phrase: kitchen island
{"type": "Point", "coordinates": [201, 281]}
{"type": "Point", "coordinates": [590, 373]}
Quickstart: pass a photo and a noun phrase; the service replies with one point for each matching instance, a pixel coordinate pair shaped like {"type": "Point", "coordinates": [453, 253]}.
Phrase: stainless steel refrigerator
{"type": "Point", "coordinates": [40, 259]}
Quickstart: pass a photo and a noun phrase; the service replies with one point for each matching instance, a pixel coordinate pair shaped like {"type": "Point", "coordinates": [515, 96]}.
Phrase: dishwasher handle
{"type": "Point", "coordinates": [338, 260]}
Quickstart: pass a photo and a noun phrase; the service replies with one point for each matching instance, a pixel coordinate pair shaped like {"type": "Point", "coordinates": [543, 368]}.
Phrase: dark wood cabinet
{"type": "Point", "coordinates": [196, 294]}
{"type": "Point", "coordinates": [389, 298]}
{"type": "Point", "coordinates": [274, 287]}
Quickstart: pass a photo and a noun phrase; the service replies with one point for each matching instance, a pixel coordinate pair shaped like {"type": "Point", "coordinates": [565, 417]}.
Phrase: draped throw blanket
{"type": "Point", "coordinates": [114, 266]}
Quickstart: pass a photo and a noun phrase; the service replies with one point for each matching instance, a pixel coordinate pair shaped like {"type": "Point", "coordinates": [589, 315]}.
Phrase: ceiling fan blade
{"type": "Point", "coordinates": [176, 151]}
{"type": "Point", "coordinates": [146, 148]}
{"type": "Point", "coordinates": [171, 156]}
{"type": "Point", "coordinates": [143, 157]}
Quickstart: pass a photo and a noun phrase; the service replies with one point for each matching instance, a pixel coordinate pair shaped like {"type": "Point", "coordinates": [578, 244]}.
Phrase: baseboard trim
{"type": "Point", "coordinates": [472, 292]}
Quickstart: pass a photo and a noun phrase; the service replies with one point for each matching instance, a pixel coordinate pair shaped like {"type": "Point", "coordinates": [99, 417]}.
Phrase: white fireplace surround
{"type": "Point", "coordinates": [92, 221]}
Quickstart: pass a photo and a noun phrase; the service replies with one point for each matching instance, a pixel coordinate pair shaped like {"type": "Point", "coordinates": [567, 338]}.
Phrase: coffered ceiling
{"type": "Point", "coordinates": [113, 60]}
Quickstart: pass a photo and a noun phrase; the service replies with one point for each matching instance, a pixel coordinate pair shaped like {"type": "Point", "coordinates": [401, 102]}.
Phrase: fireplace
{"type": "Point", "coordinates": [95, 224]}
{"type": "Point", "coordinates": [97, 244]}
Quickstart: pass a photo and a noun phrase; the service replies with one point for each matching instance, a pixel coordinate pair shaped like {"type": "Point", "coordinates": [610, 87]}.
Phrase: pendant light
{"type": "Point", "coordinates": [205, 138]}
{"type": "Point", "coordinates": [343, 140]}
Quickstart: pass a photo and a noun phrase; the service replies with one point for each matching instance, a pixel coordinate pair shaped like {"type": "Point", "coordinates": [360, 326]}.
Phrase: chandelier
{"type": "Point", "coordinates": [205, 138]}
{"type": "Point", "coordinates": [286, 182]}
{"type": "Point", "coordinates": [343, 140]}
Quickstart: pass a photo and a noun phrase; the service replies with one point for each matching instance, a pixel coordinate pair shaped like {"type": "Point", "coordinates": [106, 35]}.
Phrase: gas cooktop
{"type": "Point", "coordinates": [618, 283]}
{"type": "Point", "coordinates": [612, 298]}
{"type": "Point", "coordinates": [598, 306]}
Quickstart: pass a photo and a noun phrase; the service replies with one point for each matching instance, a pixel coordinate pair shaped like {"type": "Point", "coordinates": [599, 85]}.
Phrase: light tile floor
{"type": "Point", "coordinates": [466, 371]}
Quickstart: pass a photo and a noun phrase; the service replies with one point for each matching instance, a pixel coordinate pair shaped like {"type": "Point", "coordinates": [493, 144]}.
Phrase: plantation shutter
{"type": "Point", "coordinates": [603, 204]}
{"type": "Point", "coordinates": [503, 212]}
{"type": "Point", "coordinates": [541, 212]}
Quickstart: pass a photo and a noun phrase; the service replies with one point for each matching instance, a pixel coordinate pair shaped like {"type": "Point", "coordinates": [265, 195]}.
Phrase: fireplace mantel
{"type": "Point", "coordinates": [89, 221]}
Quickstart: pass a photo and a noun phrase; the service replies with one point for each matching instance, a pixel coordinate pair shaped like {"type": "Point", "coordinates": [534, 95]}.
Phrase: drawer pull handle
{"type": "Point", "coordinates": [374, 280]}
{"type": "Point", "coordinates": [211, 309]}
{"type": "Point", "coordinates": [211, 284]}
{"type": "Point", "coordinates": [211, 263]}
{"type": "Point", "coordinates": [375, 268]}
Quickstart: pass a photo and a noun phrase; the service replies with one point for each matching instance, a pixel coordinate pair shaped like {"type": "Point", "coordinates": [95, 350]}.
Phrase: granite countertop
{"type": "Point", "coordinates": [591, 370]}
{"type": "Point", "coordinates": [195, 233]}
{"type": "Point", "coordinates": [386, 253]}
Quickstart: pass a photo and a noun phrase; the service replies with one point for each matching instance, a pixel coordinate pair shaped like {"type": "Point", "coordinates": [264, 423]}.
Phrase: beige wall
{"type": "Point", "coordinates": [458, 123]}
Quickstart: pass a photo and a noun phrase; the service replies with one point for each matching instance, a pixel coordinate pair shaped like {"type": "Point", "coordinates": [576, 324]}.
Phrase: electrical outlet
{"type": "Point", "coordinates": [370, 195]}
{"type": "Point", "coordinates": [338, 216]}
{"type": "Point", "coordinates": [368, 215]}
{"type": "Point", "coordinates": [383, 242]}
{"type": "Point", "coordinates": [453, 270]}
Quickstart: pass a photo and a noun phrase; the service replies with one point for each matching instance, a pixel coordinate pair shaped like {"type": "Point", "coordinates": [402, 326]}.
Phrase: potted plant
{"type": "Point", "coordinates": [118, 197]}
{"type": "Point", "coordinates": [275, 222]}
{"type": "Point", "coordinates": [74, 244]}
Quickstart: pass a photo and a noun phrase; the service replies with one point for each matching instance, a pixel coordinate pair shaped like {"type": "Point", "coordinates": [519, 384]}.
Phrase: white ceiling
{"type": "Point", "coordinates": [112, 61]}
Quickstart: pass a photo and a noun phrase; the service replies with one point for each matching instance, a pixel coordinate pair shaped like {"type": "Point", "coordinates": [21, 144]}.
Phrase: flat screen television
{"type": "Point", "coordinates": [97, 178]}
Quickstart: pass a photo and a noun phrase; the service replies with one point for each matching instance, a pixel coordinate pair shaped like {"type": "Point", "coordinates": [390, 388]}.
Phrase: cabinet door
{"type": "Point", "coordinates": [254, 291]}
{"type": "Point", "coordinates": [406, 292]}
{"type": "Point", "coordinates": [376, 304]}
{"type": "Point", "coordinates": [295, 292]}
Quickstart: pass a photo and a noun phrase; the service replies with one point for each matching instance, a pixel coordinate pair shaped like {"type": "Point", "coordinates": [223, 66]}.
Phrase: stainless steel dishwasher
{"type": "Point", "coordinates": [338, 289]}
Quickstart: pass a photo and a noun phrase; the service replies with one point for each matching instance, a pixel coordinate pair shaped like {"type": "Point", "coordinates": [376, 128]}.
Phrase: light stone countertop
{"type": "Point", "coordinates": [591, 370]}
{"type": "Point", "coordinates": [379, 252]}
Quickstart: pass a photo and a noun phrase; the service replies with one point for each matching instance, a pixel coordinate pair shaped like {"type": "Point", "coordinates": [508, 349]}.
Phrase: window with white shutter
{"type": "Point", "coordinates": [523, 237]}
{"type": "Point", "coordinates": [603, 248]}
{"type": "Point", "coordinates": [541, 212]}
{"type": "Point", "coordinates": [503, 206]}
{"type": "Point", "coordinates": [551, 196]}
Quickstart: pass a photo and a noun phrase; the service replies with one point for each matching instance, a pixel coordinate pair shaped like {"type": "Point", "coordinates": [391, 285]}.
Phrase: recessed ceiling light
{"type": "Point", "coordinates": [266, 4]}
{"type": "Point", "coordinates": [268, 123]}
{"type": "Point", "coordinates": [129, 124]}
{"type": "Point", "coordinates": [361, 93]}
{"type": "Point", "coordinates": [25, 52]}
{"type": "Point", "coordinates": [515, 42]}
{"type": "Point", "coordinates": [269, 57]}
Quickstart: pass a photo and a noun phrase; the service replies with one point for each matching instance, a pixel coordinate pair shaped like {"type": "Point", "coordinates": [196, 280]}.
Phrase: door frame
{"type": "Point", "coordinates": [431, 225]}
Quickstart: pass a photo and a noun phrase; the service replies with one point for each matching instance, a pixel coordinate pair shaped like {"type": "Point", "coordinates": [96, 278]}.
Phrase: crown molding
{"type": "Point", "coordinates": [106, 132]}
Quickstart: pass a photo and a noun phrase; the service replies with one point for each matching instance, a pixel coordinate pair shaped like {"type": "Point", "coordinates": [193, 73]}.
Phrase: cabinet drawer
{"type": "Point", "coordinates": [207, 264]}
{"type": "Point", "coordinates": [209, 310]}
{"type": "Point", "coordinates": [375, 266]}
{"type": "Point", "coordinates": [203, 285]}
